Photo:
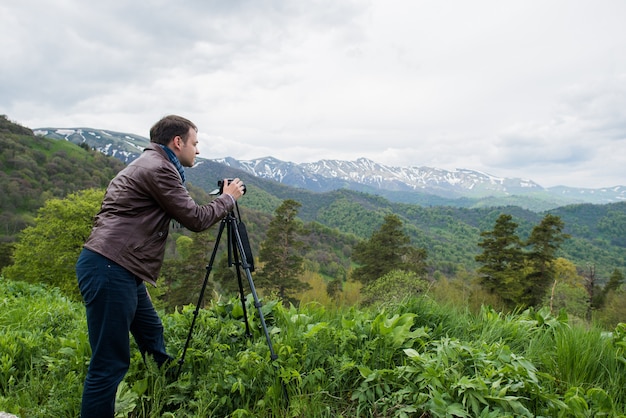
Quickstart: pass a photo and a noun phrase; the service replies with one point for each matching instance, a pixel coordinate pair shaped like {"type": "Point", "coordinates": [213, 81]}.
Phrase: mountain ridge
{"type": "Point", "coordinates": [402, 184]}
{"type": "Point", "coordinates": [449, 230]}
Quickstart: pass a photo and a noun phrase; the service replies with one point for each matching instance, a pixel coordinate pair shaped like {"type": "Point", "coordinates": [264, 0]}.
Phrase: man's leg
{"type": "Point", "coordinates": [110, 300]}
{"type": "Point", "coordinates": [147, 328]}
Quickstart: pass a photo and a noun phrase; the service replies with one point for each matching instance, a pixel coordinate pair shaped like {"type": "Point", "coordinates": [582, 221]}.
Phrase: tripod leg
{"type": "Point", "coordinates": [257, 303]}
{"type": "Point", "coordinates": [233, 259]}
{"type": "Point", "coordinates": [242, 296]}
{"type": "Point", "coordinates": [247, 267]}
{"type": "Point", "coordinates": [196, 311]}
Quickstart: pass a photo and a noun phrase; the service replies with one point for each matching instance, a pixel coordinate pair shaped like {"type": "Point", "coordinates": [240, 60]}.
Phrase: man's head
{"type": "Point", "coordinates": [170, 126]}
{"type": "Point", "coordinates": [178, 134]}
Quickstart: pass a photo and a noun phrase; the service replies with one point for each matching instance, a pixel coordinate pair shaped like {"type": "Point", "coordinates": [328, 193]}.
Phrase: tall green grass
{"type": "Point", "coordinates": [412, 359]}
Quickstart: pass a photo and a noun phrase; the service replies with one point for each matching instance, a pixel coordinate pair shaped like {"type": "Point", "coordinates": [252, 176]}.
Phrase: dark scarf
{"type": "Point", "coordinates": [174, 159]}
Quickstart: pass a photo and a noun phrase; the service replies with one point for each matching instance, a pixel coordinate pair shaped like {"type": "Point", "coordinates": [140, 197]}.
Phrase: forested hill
{"type": "Point", "coordinates": [34, 169]}
{"type": "Point", "coordinates": [450, 234]}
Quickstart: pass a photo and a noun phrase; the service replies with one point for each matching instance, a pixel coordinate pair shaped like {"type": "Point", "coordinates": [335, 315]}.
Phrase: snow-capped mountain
{"type": "Point", "coordinates": [326, 175]}
{"type": "Point", "coordinates": [362, 174]}
{"type": "Point", "coordinates": [124, 147]}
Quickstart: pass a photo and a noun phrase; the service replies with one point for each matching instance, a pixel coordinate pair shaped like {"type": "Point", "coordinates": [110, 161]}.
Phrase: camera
{"type": "Point", "coordinates": [220, 185]}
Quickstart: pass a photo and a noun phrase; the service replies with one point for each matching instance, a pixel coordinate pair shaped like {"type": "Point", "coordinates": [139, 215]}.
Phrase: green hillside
{"type": "Point", "coordinates": [449, 233]}
{"type": "Point", "coordinates": [33, 169]}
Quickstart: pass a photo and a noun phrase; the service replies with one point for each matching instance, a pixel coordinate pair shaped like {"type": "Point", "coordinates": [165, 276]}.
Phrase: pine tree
{"type": "Point", "coordinates": [183, 277]}
{"type": "Point", "coordinates": [544, 242]}
{"type": "Point", "coordinates": [280, 253]}
{"type": "Point", "coordinates": [225, 276]}
{"type": "Point", "coordinates": [387, 249]}
{"type": "Point", "coordinates": [615, 281]}
{"type": "Point", "coordinates": [502, 261]}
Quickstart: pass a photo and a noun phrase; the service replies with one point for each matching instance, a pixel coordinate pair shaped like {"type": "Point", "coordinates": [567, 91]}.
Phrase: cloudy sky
{"type": "Point", "coordinates": [521, 88]}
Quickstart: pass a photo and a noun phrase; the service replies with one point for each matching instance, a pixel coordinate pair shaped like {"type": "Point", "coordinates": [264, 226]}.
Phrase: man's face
{"type": "Point", "coordinates": [188, 149]}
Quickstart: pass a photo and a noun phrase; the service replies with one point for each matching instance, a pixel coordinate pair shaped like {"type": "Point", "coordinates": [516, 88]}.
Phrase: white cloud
{"type": "Point", "coordinates": [527, 88]}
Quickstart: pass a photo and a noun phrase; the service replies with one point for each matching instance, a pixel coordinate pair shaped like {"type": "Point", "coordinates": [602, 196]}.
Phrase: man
{"type": "Point", "coordinates": [125, 250]}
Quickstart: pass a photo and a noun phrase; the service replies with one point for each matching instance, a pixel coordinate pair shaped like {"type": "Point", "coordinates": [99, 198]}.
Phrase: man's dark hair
{"type": "Point", "coordinates": [170, 126]}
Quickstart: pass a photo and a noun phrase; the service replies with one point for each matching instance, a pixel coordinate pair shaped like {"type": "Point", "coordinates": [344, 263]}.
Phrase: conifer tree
{"type": "Point", "coordinates": [615, 281]}
{"type": "Point", "coordinates": [281, 253]}
{"type": "Point", "coordinates": [520, 277]}
{"type": "Point", "coordinates": [387, 249]}
{"type": "Point", "coordinates": [183, 277]}
{"type": "Point", "coordinates": [544, 242]}
{"type": "Point", "coordinates": [225, 276]}
{"type": "Point", "coordinates": [502, 261]}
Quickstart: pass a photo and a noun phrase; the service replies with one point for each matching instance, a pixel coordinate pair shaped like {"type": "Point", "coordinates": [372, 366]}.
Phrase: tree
{"type": "Point", "coordinates": [613, 311]}
{"type": "Point", "coordinates": [568, 290]}
{"type": "Point", "coordinates": [544, 242]}
{"type": "Point", "coordinates": [225, 277]}
{"type": "Point", "coordinates": [183, 276]}
{"type": "Point", "coordinates": [47, 251]}
{"type": "Point", "coordinates": [387, 249]}
{"type": "Point", "coordinates": [280, 253]}
{"type": "Point", "coordinates": [614, 283]}
{"type": "Point", "coordinates": [502, 261]}
{"type": "Point", "coordinates": [334, 288]}
{"type": "Point", "coordinates": [600, 295]}
{"type": "Point", "coordinates": [591, 286]}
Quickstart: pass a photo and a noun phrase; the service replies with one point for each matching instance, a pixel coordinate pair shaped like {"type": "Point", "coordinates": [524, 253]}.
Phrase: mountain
{"type": "Point", "coordinates": [34, 168]}
{"type": "Point", "coordinates": [416, 185]}
{"type": "Point", "coordinates": [124, 147]}
{"type": "Point", "coordinates": [367, 175]}
{"type": "Point", "coordinates": [327, 175]}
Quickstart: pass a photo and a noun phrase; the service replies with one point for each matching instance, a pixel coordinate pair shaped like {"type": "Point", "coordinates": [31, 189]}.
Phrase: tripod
{"type": "Point", "coordinates": [239, 255]}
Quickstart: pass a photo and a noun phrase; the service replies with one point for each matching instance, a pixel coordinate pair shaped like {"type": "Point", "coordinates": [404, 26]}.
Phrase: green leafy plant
{"type": "Point", "coordinates": [409, 360]}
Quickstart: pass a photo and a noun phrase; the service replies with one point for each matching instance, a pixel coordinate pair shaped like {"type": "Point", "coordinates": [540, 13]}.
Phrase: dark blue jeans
{"type": "Point", "coordinates": [117, 302]}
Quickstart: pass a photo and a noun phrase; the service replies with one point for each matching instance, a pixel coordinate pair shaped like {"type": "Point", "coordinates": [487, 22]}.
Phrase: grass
{"type": "Point", "coordinates": [416, 358]}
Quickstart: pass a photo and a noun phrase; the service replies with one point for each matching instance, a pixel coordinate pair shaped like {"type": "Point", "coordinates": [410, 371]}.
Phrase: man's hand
{"type": "Point", "coordinates": [235, 188]}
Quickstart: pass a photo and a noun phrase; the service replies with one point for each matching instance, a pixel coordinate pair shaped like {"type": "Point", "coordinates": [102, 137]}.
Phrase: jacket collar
{"type": "Point", "coordinates": [172, 157]}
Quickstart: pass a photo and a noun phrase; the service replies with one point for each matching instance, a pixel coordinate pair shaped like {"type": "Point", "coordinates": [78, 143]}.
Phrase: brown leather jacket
{"type": "Point", "coordinates": [132, 225]}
